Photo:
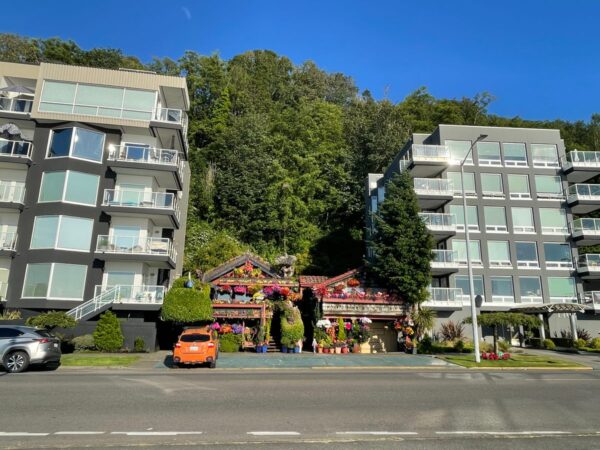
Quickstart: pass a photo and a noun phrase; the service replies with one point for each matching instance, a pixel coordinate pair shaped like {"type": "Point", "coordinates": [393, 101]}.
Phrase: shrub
{"type": "Point", "coordinates": [595, 343]}
{"type": "Point", "coordinates": [185, 305]}
{"type": "Point", "coordinates": [229, 343]}
{"type": "Point", "coordinates": [459, 346]}
{"type": "Point", "coordinates": [52, 319]}
{"type": "Point", "coordinates": [549, 345]}
{"type": "Point", "coordinates": [452, 331]}
{"type": "Point", "coordinates": [292, 328]}
{"type": "Point", "coordinates": [108, 336]}
{"type": "Point", "coordinates": [139, 345]}
{"type": "Point", "coordinates": [83, 343]}
{"type": "Point", "coordinates": [425, 345]}
{"type": "Point", "coordinates": [580, 343]}
{"type": "Point", "coordinates": [341, 330]}
{"type": "Point", "coordinates": [503, 345]}
{"type": "Point", "coordinates": [486, 347]}
{"type": "Point", "coordinates": [10, 314]}
{"type": "Point", "coordinates": [581, 334]}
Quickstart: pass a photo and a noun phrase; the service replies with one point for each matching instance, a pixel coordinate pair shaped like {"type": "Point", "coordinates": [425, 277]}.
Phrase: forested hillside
{"type": "Point", "coordinates": [279, 152]}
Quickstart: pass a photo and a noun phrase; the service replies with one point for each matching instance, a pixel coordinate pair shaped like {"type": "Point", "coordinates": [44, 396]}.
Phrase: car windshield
{"type": "Point", "coordinates": [195, 338]}
{"type": "Point", "coordinates": [43, 333]}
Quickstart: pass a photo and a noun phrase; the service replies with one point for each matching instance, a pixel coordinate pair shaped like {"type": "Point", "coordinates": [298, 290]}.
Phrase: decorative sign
{"type": "Point", "coordinates": [362, 309]}
{"type": "Point", "coordinates": [242, 313]}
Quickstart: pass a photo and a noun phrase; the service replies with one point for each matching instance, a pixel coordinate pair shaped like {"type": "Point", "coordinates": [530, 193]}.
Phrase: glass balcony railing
{"type": "Point", "coordinates": [444, 258]}
{"type": "Point", "coordinates": [144, 155]}
{"type": "Point", "coordinates": [445, 295]}
{"type": "Point", "coordinates": [439, 221]}
{"type": "Point", "coordinates": [577, 158]}
{"type": "Point", "coordinates": [583, 192]}
{"type": "Point", "coordinates": [16, 105]}
{"type": "Point", "coordinates": [135, 245]}
{"type": "Point", "coordinates": [589, 262]}
{"type": "Point", "coordinates": [172, 115]}
{"type": "Point", "coordinates": [587, 226]}
{"type": "Point", "coordinates": [421, 152]}
{"type": "Point", "coordinates": [18, 149]}
{"type": "Point", "coordinates": [8, 240]}
{"type": "Point", "coordinates": [433, 186]}
{"type": "Point", "coordinates": [592, 298]}
{"type": "Point", "coordinates": [142, 294]}
{"type": "Point", "coordinates": [132, 198]}
{"type": "Point", "coordinates": [12, 192]}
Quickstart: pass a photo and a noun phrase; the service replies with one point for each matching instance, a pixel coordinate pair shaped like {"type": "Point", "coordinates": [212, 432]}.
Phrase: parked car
{"type": "Point", "coordinates": [22, 346]}
{"type": "Point", "coordinates": [196, 346]}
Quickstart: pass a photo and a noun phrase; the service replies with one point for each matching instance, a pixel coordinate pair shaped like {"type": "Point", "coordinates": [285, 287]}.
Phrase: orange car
{"type": "Point", "coordinates": [196, 346]}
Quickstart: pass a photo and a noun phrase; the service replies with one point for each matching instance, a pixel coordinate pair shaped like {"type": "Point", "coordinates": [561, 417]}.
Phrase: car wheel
{"type": "Point", "coordinates": [213, 364]}
{"type": "Point", "coordinates": [16, 362]}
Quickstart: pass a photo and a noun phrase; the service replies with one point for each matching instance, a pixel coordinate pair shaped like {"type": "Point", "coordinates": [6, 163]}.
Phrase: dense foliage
{"type": "Point", "coordinates": [187, 305]}
{"type": "Point", "coordinates": [108, 336]}
{"type": "Point", "coordinates": [229, 343]}
{"type": "Point", "coordinates": [496, 320]}
{"type": "Point", "coordinates": [52, 319]}
{"type": "Point", "coordinates": [279, 152]}
{"type": "Point", "coordinates": [292, 327]}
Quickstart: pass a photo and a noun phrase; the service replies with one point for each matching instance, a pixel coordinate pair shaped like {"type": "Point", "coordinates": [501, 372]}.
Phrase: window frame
{"type": "Point", "coordinates": [57, 234]}
{"type": "Point", "coordinates": [522, 229]}
{"type": "Point", "coordinates": [64, 189]}
{"type": "Point", "coordinates": [519, 195]}
{"type": "Point", "coordinates": [50, 282]}
{"type": "Point", "coordinates": [528, 264]}
{"type": "Point", "coordinates": [489, 162]}
{"type": "Point", "coordinates": [499, 263]}
{"type": "Point", "coordinates": [542, 164]}
{"type": "Point", "coordinates": [502, 298]}
{"type": "Point", "coordinates": [473, 242]}
{"type": "Point", "coordinates": [549, 195]}
{"type": "Point", "coordinates": [513, 163]}
{"type": "Point", "coordinates": [457, 188]}
{"type": "Point", "coordinates": [70, 155]}
{"type": "Point", "coordinates": [562, 298]}
{"type": "Point", "coordinates": [495, 228]}
{"type": "Point", "coordinates": [489, 194]}
{"type": "Point", "coordinates": [473, 228]}
{"type": "Point", "coordinates": [534, 298]}
{"type": "Point", "coordinates": [558, 265]}
{"type": "Point", "coordinates": [554, 231]}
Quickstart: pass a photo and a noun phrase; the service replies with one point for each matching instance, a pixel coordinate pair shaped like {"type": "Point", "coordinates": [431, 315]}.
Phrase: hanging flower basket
{"type": "Point", "coordinates": [339, 287]}
{"type": "Point", "coordinates": [215, 326]}
{"type": "Point", "coordinates": [284, 291]}
{"type": "Point", "coordinates": [239, 289]}
{"type": "Point", "coordinates": [353, 282]}
{"type": "Point", "coordinates": [321, 291]}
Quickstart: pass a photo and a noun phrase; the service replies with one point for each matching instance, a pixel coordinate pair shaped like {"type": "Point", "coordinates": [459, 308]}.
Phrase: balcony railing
{"type": "Point", "coordinates": [172, 115]}
{"type": "Point", "coordinates": [543, 161]}
{"type": "Point", "coordinates": [18, 149]}
{"type": "Point", "coordinates": [8, 240]}
{"type": "Point", "coordinates": [439, 221]}
{"type": "Point", "coordinates": [532, 299]}
{"type": "Point", "coordinates": [445, 295]}
{"type": "Point", "coordinates": [589, 262]}
{"type": "Point", "coordinates": [144, 155]}
{"type": "Point", "coordinates": [16, 105]}
{"type": "Point", "coordinates": [583, 192]}
{"type": "Point", "coordinates": [444, 258]}
{"type": "Point", "coordinates": [503, 299]}
{"type": "Point", "coordinates": [433, 186]}
{"type": "Point", "coordinates": [436, 153]}
{"type": "Point", "coordinates": [592, 298]}
{"type": "Point", "coordinates": [577, 158]}
{"type": "Point", "coordinates": [12, 192]}
{"type": "Point", "coordinates": [141, 294]}
{"type": "Point", "coordinates": [140, 199]}
{"type": "Point", "coordinates": [135, 245]}
{"type": "Point", "coordinates": [587, 226]}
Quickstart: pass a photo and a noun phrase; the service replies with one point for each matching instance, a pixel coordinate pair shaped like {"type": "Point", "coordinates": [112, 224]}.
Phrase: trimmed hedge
{"type": "Point", "coordinates": [230, 343]}
{"type": "Point", "coordinates": [52, 319]}
{"type": "Point", "coordinates": [187, 305]}
{"type": "Point", "coordinates": [292, 327]}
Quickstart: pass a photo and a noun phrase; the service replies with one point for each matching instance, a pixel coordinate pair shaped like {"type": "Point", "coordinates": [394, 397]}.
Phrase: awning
{"type": "Point", "coordinates": [17, 90]}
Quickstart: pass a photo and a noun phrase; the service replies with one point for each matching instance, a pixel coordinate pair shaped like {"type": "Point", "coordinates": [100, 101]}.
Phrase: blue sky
{"type": "Point", "coordinates": [539, 58]}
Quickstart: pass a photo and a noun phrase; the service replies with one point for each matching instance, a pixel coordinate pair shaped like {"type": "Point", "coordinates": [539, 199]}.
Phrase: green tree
{"type": "Point", "coordinates": [505, 319]}
{"type": "Point", "coordinates": [52, 319]}
{"type": "Point", "coordinates": [424, 319]}
{"type": "Point", "coordinates": [108, 336]}
{"type": "Point", "coordinates": [402, 244]}
{"type": "Point", "coordinates": [187, 305]}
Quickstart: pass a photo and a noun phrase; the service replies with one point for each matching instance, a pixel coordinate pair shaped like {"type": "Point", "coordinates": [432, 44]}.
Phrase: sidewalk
{"type": "Point", "coordinates": [587, 359]}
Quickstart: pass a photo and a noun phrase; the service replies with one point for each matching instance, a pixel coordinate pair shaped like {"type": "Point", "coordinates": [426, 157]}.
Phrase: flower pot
{"type": "Point", "coordinates": [290, 350]}
{"type": "Point", "coordinates": [344, 349]}
{"type": "Point", "coordinates": [258, 349]}
{"type": "Point", "coordinates": [283, 349]}
{"type": "Point", "coordinates": [319, 349]}
{"type": "Point", "coordinates": [325, 350]}
{"type": "Point", "coordinates": [296, 349]}
{"type": "Point", "coordinates": [338, 350]}
{"type": "Point", "coordinates": [356, 348]}
{"type": "Point", "coordinates": [264, 348]}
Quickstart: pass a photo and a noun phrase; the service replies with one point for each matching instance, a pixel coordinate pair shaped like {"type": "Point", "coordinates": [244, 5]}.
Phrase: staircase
{"type": "Point", "coordinates": [98, 304]}
{"type": "Point", "coordinates": [273, 347]}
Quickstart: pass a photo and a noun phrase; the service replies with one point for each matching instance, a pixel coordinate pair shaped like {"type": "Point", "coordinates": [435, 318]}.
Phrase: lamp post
{"type": "Point", "coordinates": [468, 244]}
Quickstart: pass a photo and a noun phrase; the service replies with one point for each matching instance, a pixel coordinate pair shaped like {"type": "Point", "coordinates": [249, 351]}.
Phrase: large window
{"type": "Point", "coordinates": [460, 247]}
{"type": "Point", "coordinates": [499, 254]}
{"type": "Point", "coordinates": [530, 289]}
{"type": "Point", "coordinates": [491, 185]}
{"type": "Point", "coordinates": [514, 154]}
{"type": "Point", "coordinates": [495, 219]}
{"type": "Point", "coordinates": [469, 183]}
{"type": "Point", "coordinates": [489, 154]}
{"type": "Point", "coordinates": [518, 186]}
{"type": "Point", "coordinates": [76, 143]}
{"type": "Point", "coordinates": [562, 289]}
{"type": "Point", "coordinates": [527, 255]}
{"type": "Point", "coordinates": [69, 187]}
{"type": "Point", "coordinates": [92, 100]}
{"type": "Point", "coordinates": [458, 151]}
{"type": "Point", "coordinates": [522, 220]}
{"type": "Point", "coordinates": [54, 281]}
{"type": "Point", "coordinates": [472, 218]}
{"type": "Point", "coordinates": [62, 233]}
{"type": "Point", "coordinates": [462, 282]}
{"type": "Point", "coordinates": [544, 155]}
{"type": "Point", "coordinates": [548, 186]}
{"type": "Point", "coordinates": [553, 221]}
{"type": "Point", "coordinates": [557, 255]}
{"type": "Point", "coordinates": [502, 289]}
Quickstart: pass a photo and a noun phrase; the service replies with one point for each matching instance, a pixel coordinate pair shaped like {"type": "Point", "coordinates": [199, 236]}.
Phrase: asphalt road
{"type": "Point", "coordinates": [301, 408]}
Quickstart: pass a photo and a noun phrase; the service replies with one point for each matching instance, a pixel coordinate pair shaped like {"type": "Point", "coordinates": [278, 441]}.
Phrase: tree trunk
{"type": "Point", "coordinates": [496, 339]}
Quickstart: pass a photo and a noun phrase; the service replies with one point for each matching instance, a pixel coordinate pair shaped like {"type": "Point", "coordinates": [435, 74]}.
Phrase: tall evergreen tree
{"type": "Point", "coordinates": [402, 243]}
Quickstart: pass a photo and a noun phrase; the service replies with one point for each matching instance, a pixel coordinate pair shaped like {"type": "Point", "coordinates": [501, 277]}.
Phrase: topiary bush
{"type": "Point", "coordinates": [108, 336]}
{"type": "Point", "coordinates": [341, 330]}
{"type": "Point", "coordinates": [292, 327]}
{"type": "Point", "coordinates": [595, 343]}
{"type": "Point", "coordinates": [83, 343]}
{"type": "Point", "coordinates": [549, 345]}
{"type": "Point", "coordinates": [139, 346]}
{"type": "Point", "coordinates": [187, 305]}
{"type": "Point", "coordinates": [229, 343]}
{"type": "Point", "coordinates": [52, 319]}
{"type": "Point", "coordinates": [580, 343]}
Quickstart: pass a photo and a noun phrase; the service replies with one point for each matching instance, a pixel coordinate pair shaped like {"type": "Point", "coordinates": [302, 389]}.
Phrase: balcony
{"type": "Point", "coordinates": [15, 151]}
{"type": "Point", "coordinates": [588, 266]}
{"type": "Point", "coordinates": [583, 198]}
{"type": "Point", "coordinates": [428, 161]}
{"type": "Point", "coordinates": [12, 194]}
{"type": "Point", "coordinates": [586, 231]}
{"type": "Point", "coordinates": [531, 299]}
{"type": "Point", "coordinates": [445, 299]}
{"type": "Point", "coordinates": [433, 193]}
{"type": "Point", "coordinates": [157, 252]}
{"type": "Point", "coordinates": [162, 164]}
{"type": "Point", "coordinates": [15, 106]}
{"type": "Point", "coordinates": [161, 207]}
{"type": "Point", "coordinates": [166, 121]}
{"type": "Point", "coordinates": [444, 262]}
{"type": "Point", "coordinates": [581, 166]}
{"type": "Point", "coordinates": [133, 296]}
{"type": "Point", "coordinates": [441, 226]}
{"type": "Point", "coordinates": [8, 243]}
{"type": "Point", "coordinates": [592, 298]}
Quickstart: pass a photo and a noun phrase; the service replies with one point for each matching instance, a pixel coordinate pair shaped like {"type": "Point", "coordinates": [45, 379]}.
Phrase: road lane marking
{"type": "Point", "coordinates": [20, 433]}
{"type": "Point", "coordinates": [69, 433]}
{"type": "Point", "coordinates": [155, 433]}
{"type": "Point", "coordinates": [273, 433]}
{"type": "Point", "coordinates": [503, 432]}
{"type": "Point", "coordinates": [380, 433]}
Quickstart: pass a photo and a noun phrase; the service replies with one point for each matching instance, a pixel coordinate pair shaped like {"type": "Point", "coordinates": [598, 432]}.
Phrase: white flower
{"type": "Point", "coordinates": [365, 320]}
{"type": "Point", "coordinates": [324, 323]}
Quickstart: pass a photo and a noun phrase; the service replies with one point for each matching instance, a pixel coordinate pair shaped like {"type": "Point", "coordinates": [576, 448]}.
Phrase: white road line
{"type": "Point", "coordinates": [503, 432]}
{"type": "Point", "coordinates": [19, 433]}
{"type": "Point", "coordinates": [380, 433]}
{"type": "Point", "coordinates": [273, 433]}
{"type": "Point", "coordinates": [69, 433]}
{"type": "Point", "coordinates": [155, 433]}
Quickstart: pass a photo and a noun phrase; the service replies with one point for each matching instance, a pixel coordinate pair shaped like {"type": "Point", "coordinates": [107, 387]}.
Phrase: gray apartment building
{"type": "Point", "coordinates": [527, 201]}
{"type": "Point", "coordinates": [93, 188]}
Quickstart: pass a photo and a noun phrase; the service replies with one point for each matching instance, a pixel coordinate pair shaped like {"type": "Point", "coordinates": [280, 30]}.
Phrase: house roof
{"type": "Point", "coordinates": [341, 277]}
{"type": "Point", "coordinates": [311, 280]}
{"type": "Point", "coordinates": [238, 261]}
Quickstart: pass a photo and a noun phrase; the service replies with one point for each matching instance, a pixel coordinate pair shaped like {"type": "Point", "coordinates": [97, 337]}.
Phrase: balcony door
{"type": "Point", "coordinates": [126, 281]}
{"type": "Point", "coordinates": [133, 195]}
{"type": "Point", "coordinates": [127, 238]}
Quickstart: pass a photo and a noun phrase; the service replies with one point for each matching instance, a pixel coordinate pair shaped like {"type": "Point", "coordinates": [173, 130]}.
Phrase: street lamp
{"type": "Point", "coordinates": [468, 243]}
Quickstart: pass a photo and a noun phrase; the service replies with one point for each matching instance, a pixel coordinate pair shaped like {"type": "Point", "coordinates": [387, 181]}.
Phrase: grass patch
{"type": "Point", "coordinates": [523, 360]}
{"type": "Point", "coordinates": [97, 360]}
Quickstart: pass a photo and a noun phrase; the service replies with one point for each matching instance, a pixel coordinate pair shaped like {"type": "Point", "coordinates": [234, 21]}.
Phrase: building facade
{"type": "Point", "coordinates": [93, 185]}
{"type": "Point", "coordinates": [527, 201]}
